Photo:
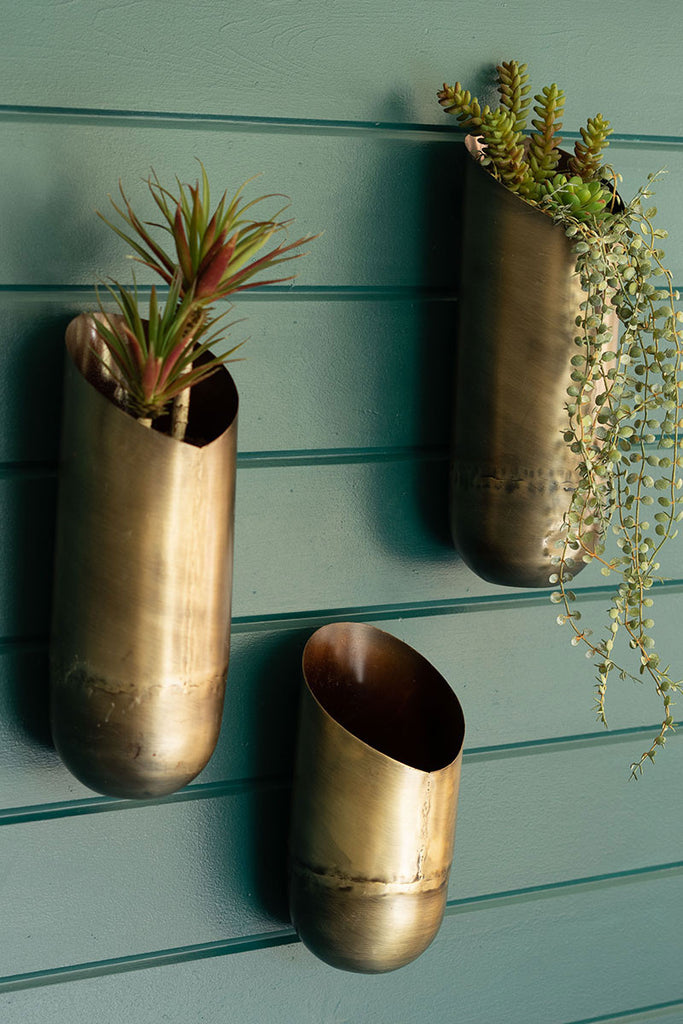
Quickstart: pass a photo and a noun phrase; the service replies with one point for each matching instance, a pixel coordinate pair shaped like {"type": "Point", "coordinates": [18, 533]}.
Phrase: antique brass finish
{"type": "Point", "coordinates": [512, 472]}
{"type": "Point", "coordinates": [143, 578]}
{"type": "Point", "coordinates": [374, 803]}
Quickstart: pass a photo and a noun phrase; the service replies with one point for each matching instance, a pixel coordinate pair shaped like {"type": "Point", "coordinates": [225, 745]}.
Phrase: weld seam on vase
{"type": "Point", "coordinates": [512, 472]}
{"type": "Point", "coordinates": [143, 580]}
{"type": "Point", "coordinates": [379, 753]}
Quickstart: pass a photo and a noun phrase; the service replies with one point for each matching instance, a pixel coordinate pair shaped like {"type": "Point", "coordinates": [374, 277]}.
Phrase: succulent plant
{"type": "Point", "coordinates": [213, 254]}
{"type": "Point", "coordinates": [528, 165]}
{"type": "Point", "coordinates": [624, 407]}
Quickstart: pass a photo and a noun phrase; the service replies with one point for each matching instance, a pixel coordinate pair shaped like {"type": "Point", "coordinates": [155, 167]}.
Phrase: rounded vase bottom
{"type": "Point", "coordinates": [508, 525]}
{"type": "Point", "coordinates": [135, 741]}
{"type": "Point", "coordinates": [365, 927]}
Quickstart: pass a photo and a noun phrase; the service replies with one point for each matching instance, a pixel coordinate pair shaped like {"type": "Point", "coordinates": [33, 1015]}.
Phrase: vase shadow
{"type": "Point", "coordinates": [275, 711]}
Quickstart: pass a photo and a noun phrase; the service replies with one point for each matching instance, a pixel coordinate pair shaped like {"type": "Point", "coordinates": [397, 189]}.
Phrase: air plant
{"type": "Point", "coordinates": [212, 255]}
{"type": "Point", "coordinates": [155, 359]}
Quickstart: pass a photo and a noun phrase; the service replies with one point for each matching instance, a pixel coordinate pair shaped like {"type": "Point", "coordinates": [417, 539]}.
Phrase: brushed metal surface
{"type": "Point", "coordinates": [143, 579]}
{"type": "Point", "coordinates": [512, 473]}
{"type": "Point", "coordinates": [377, 773]}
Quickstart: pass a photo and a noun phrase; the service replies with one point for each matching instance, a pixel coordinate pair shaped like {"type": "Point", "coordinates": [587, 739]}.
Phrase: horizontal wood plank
{"type": "Point", "coordinates": [303, 60]}
{"type": "Point", "coordinates": [315, 374]}
{"type": "Point", "coordinates": [539, 950]}
{"type": "Point", "coordinates": [512, 668]}
{"type": "Point", "coordinates": [375, 200]}
{"type": "Point", "coordinates": [201, 871]}
{"type": "Point", "coordinates": [385, 522]}
{"type": "Point", "coordinates": [387, 225]}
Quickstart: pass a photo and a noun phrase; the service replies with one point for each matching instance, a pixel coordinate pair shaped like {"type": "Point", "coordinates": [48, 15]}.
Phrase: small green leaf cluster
{"type": "Point", "coordinates": [582, 199]}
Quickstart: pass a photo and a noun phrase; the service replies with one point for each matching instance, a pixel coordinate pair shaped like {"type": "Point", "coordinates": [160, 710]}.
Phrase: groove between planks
{"type": "Point", "coordinates": [287, 936]}
{"type": "Point", "coordinates": [226, 788]}
{"type": "Point", "coordinates": [202, 121]}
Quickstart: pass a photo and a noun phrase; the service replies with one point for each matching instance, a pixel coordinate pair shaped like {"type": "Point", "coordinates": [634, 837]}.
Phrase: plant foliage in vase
{"type": "Point", "coordinates": [623, 406]}
{"type": "Point", "coordinates": [212, 254]}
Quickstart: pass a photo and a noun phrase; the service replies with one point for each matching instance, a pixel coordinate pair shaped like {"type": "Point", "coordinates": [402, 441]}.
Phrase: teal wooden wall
{"type": "Point", "coordinates": [567, 889]}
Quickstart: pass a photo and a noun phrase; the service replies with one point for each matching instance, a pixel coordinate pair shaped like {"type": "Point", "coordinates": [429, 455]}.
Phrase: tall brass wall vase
{"type": "Point", "coordinates": [143, 579]}
{"type": "Point", "coordinates": [375, 793]}
{"type": "Point", "coordinates": [512, 472]}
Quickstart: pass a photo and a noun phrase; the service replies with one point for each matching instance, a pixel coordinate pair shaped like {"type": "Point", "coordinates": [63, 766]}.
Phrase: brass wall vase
{"type": "Point", "coordinates": [374, 802]}
{"type": "Point", "coordinates": [143, 580]}
{"type": "Point", "coordinates": [512, 473]}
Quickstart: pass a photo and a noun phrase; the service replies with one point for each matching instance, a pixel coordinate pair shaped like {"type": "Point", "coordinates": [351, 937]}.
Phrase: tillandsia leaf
{"type": "Point", "coordinates": [195, 229]}
{"type": "Point", "coordinates": [147, 245]}
{"type": "Point", "coordinates": [204, 243]}
{"type": "Point", "coordinates": [182, 247]}
{"type": "Point", "coordinates": [214, 267]}
{"type": "Point", "coordinates": [182, 382]}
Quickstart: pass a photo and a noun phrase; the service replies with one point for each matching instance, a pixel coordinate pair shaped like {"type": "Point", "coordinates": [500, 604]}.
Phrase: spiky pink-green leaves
{"type": "Point", "coordinates": [154, 357]}
{"type": "Point", "coordinates": [213, 254]}
{"type": "Point", "coordinates": [219, 251]}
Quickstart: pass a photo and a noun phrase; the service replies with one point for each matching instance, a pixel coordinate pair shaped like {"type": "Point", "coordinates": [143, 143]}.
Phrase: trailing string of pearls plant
{"type": "Point", "coordinates": [624, 402]}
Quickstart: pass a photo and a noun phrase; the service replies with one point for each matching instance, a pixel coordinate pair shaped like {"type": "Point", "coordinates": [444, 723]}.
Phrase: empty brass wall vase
{"type": "Point", "coordinates": [374, 802]}
{"type": "Point", "coordinates": [143, 579]}
{"type": "Point", "coordinates": [512, 473]}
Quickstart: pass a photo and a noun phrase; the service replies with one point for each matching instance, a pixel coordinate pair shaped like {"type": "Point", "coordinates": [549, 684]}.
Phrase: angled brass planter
{"type": "Point", "coordinates": [512, 474]}
{"type": "Point", "coordinates": [374, 803]}
{"type": "Point", "coordinates": [143, 579]}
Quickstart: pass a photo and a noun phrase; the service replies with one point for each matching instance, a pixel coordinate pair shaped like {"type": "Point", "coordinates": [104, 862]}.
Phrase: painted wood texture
{"type": "Point", "coordinates": [355, 61]}
{"type": "Point", "coordinates": [566, 891]}
{"type": "Point", "coordinates": [384, 201]}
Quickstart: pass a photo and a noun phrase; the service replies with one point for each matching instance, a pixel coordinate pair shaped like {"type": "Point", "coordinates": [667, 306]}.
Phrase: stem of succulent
{"type": "Point", "coordinates": [145, 421]}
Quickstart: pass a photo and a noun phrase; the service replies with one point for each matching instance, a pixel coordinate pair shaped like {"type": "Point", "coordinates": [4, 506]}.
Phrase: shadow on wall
{"type": "Point", "coordinates": [261, 715]}
{"type": "Point", "coordinates": [32, 386]}
{"type": "Point", "coordinates": [443, 172]}
{"type": "Point", "coordinates": [24, 696]}
{"type": "Point", "coordinates": [49, 236]}
{"type": "Point", "coordinates": [425, 504]}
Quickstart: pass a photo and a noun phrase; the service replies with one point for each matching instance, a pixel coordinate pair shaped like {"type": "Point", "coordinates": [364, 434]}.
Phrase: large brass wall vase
{"type": "Point", "coordinates": [375, 792]}
{"type": "Point", "coordinates": [512, 472]}
{"type": "Point", "coordinates": [143, 579]}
